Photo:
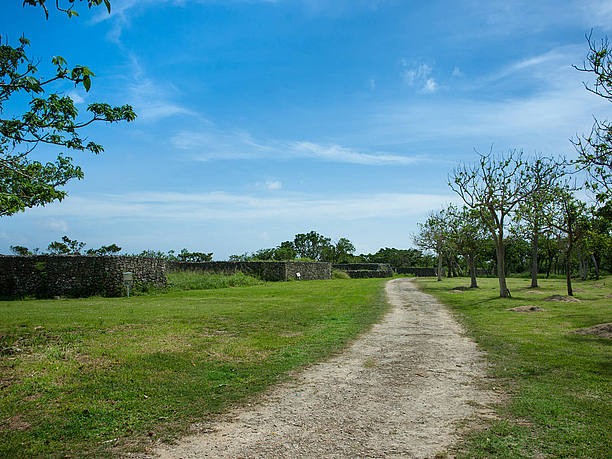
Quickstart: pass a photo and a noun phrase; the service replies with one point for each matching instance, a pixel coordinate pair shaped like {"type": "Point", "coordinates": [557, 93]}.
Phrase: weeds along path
{"type": "Point", "coordinates": [403, 389]}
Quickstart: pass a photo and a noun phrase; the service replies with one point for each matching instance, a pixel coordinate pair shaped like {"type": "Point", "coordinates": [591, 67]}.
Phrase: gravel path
{"type": "Point", "coordinates": [402, 389]}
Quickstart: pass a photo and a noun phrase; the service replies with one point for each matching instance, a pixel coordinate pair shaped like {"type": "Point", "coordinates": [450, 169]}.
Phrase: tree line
{"type": "Point", "coordinates": [310, 246]}
{"type": "Point", "coordinates": [313, 246]}
{"type": "Point", "coordinates": [67, 246]}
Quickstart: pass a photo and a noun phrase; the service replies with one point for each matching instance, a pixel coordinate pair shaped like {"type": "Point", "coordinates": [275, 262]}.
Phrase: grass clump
{"type": "Point", "coordinates": [560, 382]}
{"type": "Point", "coordinates": [106, 377]}
{"type": "Point", "coordinates": [339, 274]}
{"type": "Point", "coordinates": [198, 280]}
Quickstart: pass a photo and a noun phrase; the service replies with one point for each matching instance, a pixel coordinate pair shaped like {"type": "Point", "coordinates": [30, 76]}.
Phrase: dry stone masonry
{"type": "Point", "coordinates": [266, 270]}
{"type": "Point", "coordinates": [365, 270]}
{"type": "Point", "coordinates": [77, 276]}
{"type": "Point", "coordinates": [82, 276]}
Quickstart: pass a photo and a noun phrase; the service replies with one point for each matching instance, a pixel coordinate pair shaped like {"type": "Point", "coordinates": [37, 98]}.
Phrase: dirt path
{"type": "Point", "coordinates": [400, 390]}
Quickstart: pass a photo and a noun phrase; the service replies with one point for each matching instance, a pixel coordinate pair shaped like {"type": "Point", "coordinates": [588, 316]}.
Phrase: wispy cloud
{"type": "Point", "coordinates": [152, 100]}
{"type": "Point", "coordinates": [54, 224]}
{"type": "Point", "coordinates": [337, 153]}
{"type": "Point", "coordinates": [221, 206]}
{"type": "Point", "coordinates": [550, 65]}
{"type": "Point", "coordinates": [213, 144]}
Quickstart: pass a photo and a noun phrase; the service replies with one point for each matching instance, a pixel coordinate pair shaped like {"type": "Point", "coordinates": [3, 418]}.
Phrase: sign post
{"type": "Point", "coordinates": [128, 278]}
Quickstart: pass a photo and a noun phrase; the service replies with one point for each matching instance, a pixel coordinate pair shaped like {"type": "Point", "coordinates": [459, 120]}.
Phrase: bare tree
{"type": "Point", "coordinates": [595, 149]}
{"type": "Point", "coordinates": [494, 187]}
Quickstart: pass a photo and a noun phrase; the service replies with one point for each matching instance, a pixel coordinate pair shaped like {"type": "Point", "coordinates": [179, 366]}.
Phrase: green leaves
{"type": "Point", "coordinates": [69, 10]}
{"type": "Point", "coordinates": [50, 119]}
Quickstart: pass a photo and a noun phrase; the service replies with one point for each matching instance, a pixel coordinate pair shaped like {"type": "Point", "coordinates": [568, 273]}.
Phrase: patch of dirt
{"type": "Point", "coordinates": [608, 296]}
{"type": "Point", "coordinates": [461, 288]}
{"type": "Point", "coordinates": [598, 286]}
{"type": "Point", "coordinates": [456, 291]}
{"type": "Point", "coordinates": [601, 330]}
{"type": "Point", "coordinates": [526, 308]}
{"type": "Point", "coordinates": [578, 290]}
{"type": "Point", "coordinates": [401, 390]}
{"type": "Point", "coordinates": [562, 298]}
{"type": "Point", "coordinates": [16, 423]}
{"type": "Point", "coordinates": [534, 292]}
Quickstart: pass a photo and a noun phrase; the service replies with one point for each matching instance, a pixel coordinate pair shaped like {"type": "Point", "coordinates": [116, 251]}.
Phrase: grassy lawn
{"type": "Point", "coordinates": [560, 382]}
{"type": "Point", "coordinates": [102, 376]}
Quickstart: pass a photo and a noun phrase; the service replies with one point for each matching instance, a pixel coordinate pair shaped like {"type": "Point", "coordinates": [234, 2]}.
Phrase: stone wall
{"type": "Point", "coordinates": [266, 270]}
{"type": "Point", "coordinates": [417, 272]}
{"type": "Point", "coordinates": [365, 270]}
{"type": "Point", "coordinates": [52, 275]}
{"type": "Point", "coordinates": [309, 270]}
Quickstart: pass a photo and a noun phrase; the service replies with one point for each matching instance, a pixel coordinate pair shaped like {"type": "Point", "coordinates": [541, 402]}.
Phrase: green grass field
{"type": "Point", "coordinates": [560, 383]}
{"type": "Point", "coordinates": [102, 376]}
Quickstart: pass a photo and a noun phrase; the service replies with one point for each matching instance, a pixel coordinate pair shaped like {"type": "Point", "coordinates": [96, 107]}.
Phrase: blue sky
{"type": "Point", "coordinates": [258, 120]}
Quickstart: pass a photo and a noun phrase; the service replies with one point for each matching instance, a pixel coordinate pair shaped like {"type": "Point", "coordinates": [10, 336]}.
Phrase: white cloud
{"type": "Point", "coordinates": [548, 66]}
{"type": "Point", "coordinates": [221, 206]}
{"type": "Point", "coordinates": [337, 153]}
{"type": "Point", "coordinates": [273, 185]}
{"type": "Point", "coordinates": [76, 97]}
{"type": "Point", "coordinates": [419, 75]}
{"type": "Point", "coordinates": [430, 86]}
{"type": "Point", "coordinates": [210, 144]}
{"type": "Point", "coordinates": [54, 224]}
{"type": "Point", "coordinates": [457, 72]}
{"type": "Point", "coordinates": [153, 101]}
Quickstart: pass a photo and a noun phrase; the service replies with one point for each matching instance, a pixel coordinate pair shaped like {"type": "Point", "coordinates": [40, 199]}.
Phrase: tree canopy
{"type": "Point", "coordinates": [33, 114]}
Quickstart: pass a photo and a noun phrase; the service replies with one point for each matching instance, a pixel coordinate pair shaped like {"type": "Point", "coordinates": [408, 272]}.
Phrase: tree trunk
{"type": "Point", "coordinates": [453, 263]}
{"type": "Point", "coordinates": [568, 261]}
{"type": "Point", "coordinates": [472, 265]}
{"type": "Point", "coordinates": [439, 266]}
{"type": "Point", "coordinates": [581, 265]}
{"type": "Point", "coordinates": [501, 269]}
{"type": "Point", "coordinates": [568, 274]}
{"type": "Point", "coordinates": [549, 261]}
{"type": "Point", "coordinates": [534, 258]}
{"type": "Point", "coordinates": [596, 266]}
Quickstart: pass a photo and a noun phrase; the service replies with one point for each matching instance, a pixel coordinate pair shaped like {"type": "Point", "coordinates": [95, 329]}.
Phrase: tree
{"type": "Point", "coordinates": [466, 234]}
{"type": "Point", "coordinates": [595, 149]}
{"type": "Point", "coordinates": [597, 241]}
{"type": "Point", "coordinates": [339, 252]}
{"type": "Point", "coordinates": [566, 214]}
{"type": "Point", "coordinates": [66, 247]}
{"type": "Point", "coordinates": [530, 211]}
{"type": "Point", "coordinates": [111, 249]}
{"type": "Point", "coordinates": [311, 245]}
{"type": "Point", "coordinates": [431, 237]}
{"type": "Point", "coordinates": [397, 258]}
{"type": "Point", "coordinates": [285, 251]}
{"type": "Point", "coordinates": [494, 187]}
{"type": "Point", "coordinates": [22, 251]}
{"type": "Point", "coordinates": [49, 119]}
{"type": "Point", "coordinates": [197, 257]}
